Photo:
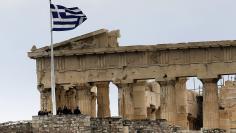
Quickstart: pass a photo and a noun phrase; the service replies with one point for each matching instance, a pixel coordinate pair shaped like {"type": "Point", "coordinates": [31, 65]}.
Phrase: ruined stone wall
{"type": "Point", "coordinates": [16, 127]}
{"type": "Point", "coordinates": [118, 125]}
{"type": "Point", "coordinates": [85, 124]}
{"type": "Point", "coordinates": [107, 125]}
{"type": "Point", "coordinates": [148, 126]}
{"type": "Point", "coordinates": [61, 124]}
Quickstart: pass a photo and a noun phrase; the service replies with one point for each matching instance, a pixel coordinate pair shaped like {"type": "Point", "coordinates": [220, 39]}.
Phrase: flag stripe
{"type": "Point", "coordinates": [62, 29]}
{"type": "Point", "coordinates": [64, 26]}
{"type": "Point", "coordinates": [64, 23]}
{"type": "Point", "coordinates": [65, 20]}
{"type": "Point", "coordinates": [74, 12]}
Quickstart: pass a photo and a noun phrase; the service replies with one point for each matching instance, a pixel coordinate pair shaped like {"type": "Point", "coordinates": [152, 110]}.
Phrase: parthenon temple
{"type": "Point", "coordinates": [151, 79]}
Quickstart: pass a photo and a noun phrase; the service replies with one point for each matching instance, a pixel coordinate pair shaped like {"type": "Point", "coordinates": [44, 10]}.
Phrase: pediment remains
{"type": "Point", "coordinates": [98, 39]}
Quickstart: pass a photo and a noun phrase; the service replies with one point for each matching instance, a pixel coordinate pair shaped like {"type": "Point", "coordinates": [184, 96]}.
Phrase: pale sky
{"type": "Point", "coordinates": [26, 22]}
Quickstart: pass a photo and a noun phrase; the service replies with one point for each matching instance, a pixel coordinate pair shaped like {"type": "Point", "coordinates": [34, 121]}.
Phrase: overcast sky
{"type": "Point", "coordinates": [24, 23]}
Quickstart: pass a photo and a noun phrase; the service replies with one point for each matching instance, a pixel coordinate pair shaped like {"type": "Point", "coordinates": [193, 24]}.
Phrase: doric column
{"type": "Point", "coordinates": [62, 99]}
{"type": "Point", "coordinates": [43, 97]}
{"type": "Point", "coordinates": [140, 107]}
{"type": "Point", "coordinates": [60, 92]}
{"type": "Point", "coordinates": [58, 97]}
{"type": "Point", "coordinates": [93, 104]}
{"type": "Point", "coordinates": [120, 102]}
{"type": "Point", "coordinates": [181, 103]}
{"type": "Point", "coordinates": [73, 98]}
{"type": "Point", "coordinates": [125, 101]}
{"type": "Point", "coordinates": [84, 99]}
{"type": "Point", "coordinates": [168, 100]}
{"type": "Point", "coordinates": [151, 113]}
{"type": "Point", "coordinates": [70, 98]}
{"type": "Point", "coordinates": [103, 99]}
{"type": "Point", "coordinates": [43, 101]}
{"type": "Point", "coordinates": [210, 103]}
{"type": "Point", "coordinates": [48, 101]}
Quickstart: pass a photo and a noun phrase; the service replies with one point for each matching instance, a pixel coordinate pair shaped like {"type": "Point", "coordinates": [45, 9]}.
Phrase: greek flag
{"type": "Point", "coordinates": [66, 18]}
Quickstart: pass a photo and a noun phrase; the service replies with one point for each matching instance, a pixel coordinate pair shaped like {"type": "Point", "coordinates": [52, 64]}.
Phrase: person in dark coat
{"type": "Point", "coordinates": [40, 113]}
{"type": "Point", "coordinates": [69, 111]}
{"type": "Point", "coordinates": [59, 111]}
{"type": "Point", "coordinates": [77, 111]}
{"type": "Point", "coordinates": [65, 110]}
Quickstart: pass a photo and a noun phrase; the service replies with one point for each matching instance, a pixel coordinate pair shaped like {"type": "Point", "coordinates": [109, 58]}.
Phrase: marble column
{"type": "Point", "coordinates": [151, 113]}
{"type": "Point", "coordinates": [48, 101]}
{"type": "Point", "coordinates": [210, 103]}
{"type": "Point", "coordinates": [120, 101]}
{"type": "Point", "coordinates": [181, 103]}
{"type": "Point", "coordinates": [62, 100]}
{"type": "Point", "coordinates": [139, 97]}
{"type": "Point", "coordinates": [125, 102]}
{"type": "Point", "coordinates": [69, 103]}
{"type": "Point", "coordinates": [59, 96]}
{"type": "Point", "coordinates": [103, 99]}
{"type": "Point", "coordinates": [93, 104]}
{"type": "Point", "coordinates": [73, 98]}
{"type": "Point", "coordinates": [43, 100]}
{"type": "Point", "coordinates": [168, 100]}
{"type": "Point", "coordinates": [45, 103]}
{"type": "Point", "coordinates": [84, 99]}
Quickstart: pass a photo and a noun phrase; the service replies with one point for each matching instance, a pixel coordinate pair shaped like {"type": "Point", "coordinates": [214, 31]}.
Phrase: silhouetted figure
{"type": "Point", "coordinates": [40, 113]}
{"type": "Point", "coordinates": [77, 111]}
{"type": "Point", "coordinates": [59, 111]}
{"type": "Point", "coordinates": [65, 110]}
{"type": "Point", "coordinates": [45, 112]}
{"type": "Point", "coordinates": [69, 111]}
{"type": "Point", "coordinates": [49, 113]}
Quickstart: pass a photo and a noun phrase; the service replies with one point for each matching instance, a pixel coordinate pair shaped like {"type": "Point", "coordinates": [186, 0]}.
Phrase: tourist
{"type": "Point", "coordinates": [59, 111]}
{"type": "Point", "coordinates": [65, 110]}
{"type": "Point", "coordinates": [77, 111]}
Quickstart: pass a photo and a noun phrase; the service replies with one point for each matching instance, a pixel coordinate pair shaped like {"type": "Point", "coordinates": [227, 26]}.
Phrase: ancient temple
{"type": "Point", "coordinates": [151, 79]}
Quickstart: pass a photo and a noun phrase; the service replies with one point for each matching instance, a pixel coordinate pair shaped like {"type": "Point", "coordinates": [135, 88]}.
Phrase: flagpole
{"type": "Point", "coordinates": [53, 91]}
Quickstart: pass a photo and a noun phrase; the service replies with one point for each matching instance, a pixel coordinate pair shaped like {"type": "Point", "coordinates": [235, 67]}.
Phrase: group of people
{"type": "Point", "coordinates": [66, 111]}
{"type": "Point", "coordinates": [45, 112]}
{"type": "Point", "coordinates": [60, 111]}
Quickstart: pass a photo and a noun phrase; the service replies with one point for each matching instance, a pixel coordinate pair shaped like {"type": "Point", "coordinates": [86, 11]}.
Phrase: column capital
{"type": "Point", "coordinates": [41, 89]}
{"type": "Point", "coordinates": [166, 82]}
{"type": "Point", "coordinates": [83, 86]}
{"type": "Point", "coordinates": [209, 80]}
{"type": "Point", "coordinates": [182, 79]}
{"type": "Point", "coordinates": [140, 83]}
{"type": "Point", "coordinates": [102, 84]}
{"type": "Point", "coordinates": [123, 85]}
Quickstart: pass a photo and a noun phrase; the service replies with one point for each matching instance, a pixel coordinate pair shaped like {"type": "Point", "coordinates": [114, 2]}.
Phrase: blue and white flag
{"type": "Point", "coordinates": [66, 18]}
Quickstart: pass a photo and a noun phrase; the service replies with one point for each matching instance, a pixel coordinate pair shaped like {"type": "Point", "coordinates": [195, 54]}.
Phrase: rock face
{"type": "Point", "coordinates": [85, 124]}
